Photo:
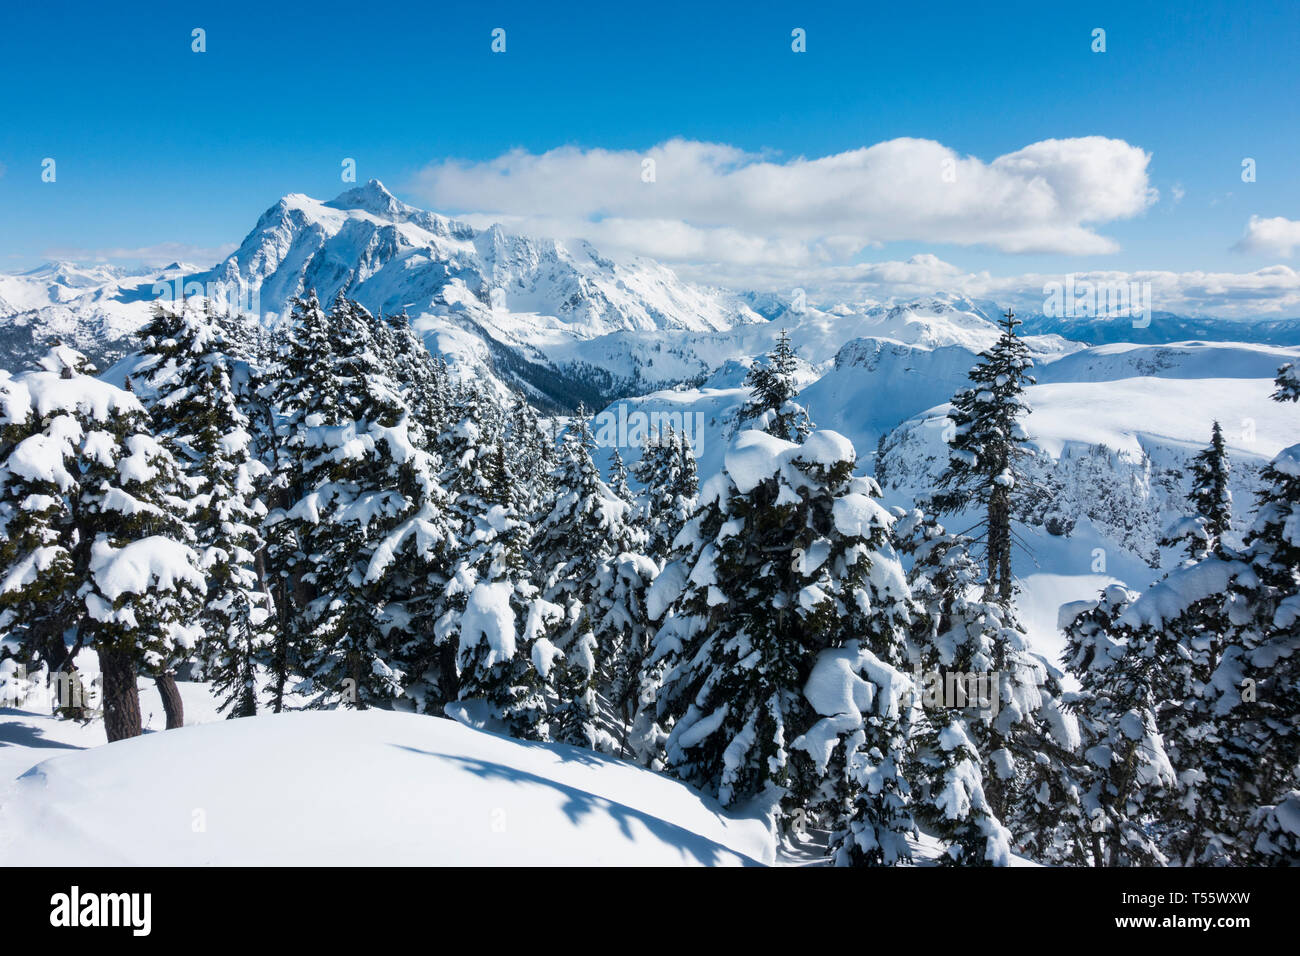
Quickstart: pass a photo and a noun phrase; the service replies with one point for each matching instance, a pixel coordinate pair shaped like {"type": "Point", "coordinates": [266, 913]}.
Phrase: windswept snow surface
{"type": "Point", "coordinates": [357, 788]}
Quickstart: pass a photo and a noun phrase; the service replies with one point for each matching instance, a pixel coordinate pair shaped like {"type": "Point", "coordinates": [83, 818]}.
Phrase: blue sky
{"type": "Point", "coordinates": [157, 144]}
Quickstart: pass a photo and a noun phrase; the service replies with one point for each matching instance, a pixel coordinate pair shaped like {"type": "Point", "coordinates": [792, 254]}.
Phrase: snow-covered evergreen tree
{"type": "Point", "coordinates": [1210, 500]}
{"type": "Point", "coordinates": [577, 548]}
{"type": "Point", "coordinates": [1287, 383]}
{"type": "Point", "coordinates": [953, 643]}
{"type": "Point", "coordinates": [1128, 779]}
{"type": "Point", "coordinates": [771, 407]}
{"type": "Point", "coordinates": [585, 525]}
{"type": "Point", "coordinates": [95, 544]}
{"type": "Point", "coordinates": [363, 480]}
{"type": "Point", "coordinates": [984, 468]}
{"type": "Point", "coordinates": [788, 558]}
{"type": "Point", "coordinates": [422, 379]}
{"type": "Point", "coordinates": [187, 361]}
{"type": "Point", "coordinates": [1268, 682]}
{"type": "Point", "coordinates": [299, 380]}
{"type": "Point", "coordinates": [1185, 622]}
{"type": "Point", "coordinates": [1276, 829]}
{"type": "Point", "coordinates": [1227, 684]}
{"type": "Point", "coordinates": [533, 457]}
{"type": "Point", "coordinates": [618, 475]}
{"type": "Point", "coordinates": [670, 486]}
{"type": "Point", "coordinates": [496, 613]}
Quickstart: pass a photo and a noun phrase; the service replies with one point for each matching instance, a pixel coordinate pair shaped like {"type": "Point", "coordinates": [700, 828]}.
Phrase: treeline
{"type": "Point", "coordinates": [324, 516]}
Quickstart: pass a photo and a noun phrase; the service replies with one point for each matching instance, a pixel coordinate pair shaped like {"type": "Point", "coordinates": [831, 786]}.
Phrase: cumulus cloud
{"type": "Point", "coordinates": [691, 202]}
{"type": "Point", "coordinates": [1277, 236]}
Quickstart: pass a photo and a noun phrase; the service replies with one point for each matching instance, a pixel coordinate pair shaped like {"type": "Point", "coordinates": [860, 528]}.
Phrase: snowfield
{"type": "Point", "coordinates": [360, 788]}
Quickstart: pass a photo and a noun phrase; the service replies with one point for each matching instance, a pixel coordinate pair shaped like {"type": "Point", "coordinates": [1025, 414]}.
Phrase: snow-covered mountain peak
{"type": "Point", "coordinates": [372, 198]}
{"type": "Point", "coordinates": [73, 275]}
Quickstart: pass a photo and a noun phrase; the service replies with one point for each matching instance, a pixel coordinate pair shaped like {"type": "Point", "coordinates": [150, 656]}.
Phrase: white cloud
{"type": "Point", "coordinates": [714, 203]}
{"type": "Point", "coordinates": [1270, 292]}
{"type": "Point", "coordinates": [158, 254]}
{"type": "Point", "coordinates": [1271, 237]}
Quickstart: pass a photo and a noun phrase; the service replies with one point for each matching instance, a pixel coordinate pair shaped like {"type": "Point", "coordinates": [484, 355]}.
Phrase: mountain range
{"type": "Point", "coordinates": [556, 320]}
{"type": "Point", "coordinates": [1118, 411]}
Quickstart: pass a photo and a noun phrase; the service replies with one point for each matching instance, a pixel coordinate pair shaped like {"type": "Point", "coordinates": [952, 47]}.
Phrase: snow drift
{"type": "Point", "coordinates": [361, 788]}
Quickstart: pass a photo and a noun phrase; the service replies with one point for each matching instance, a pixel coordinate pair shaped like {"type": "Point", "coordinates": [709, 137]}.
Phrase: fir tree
{"type": "Point", "coordinates": [533, 457]}
{"type": "Point", "coordinates": [787, 558]}
{"type": "Point", "coordinates": [362, 479]}
{"type": "Point", "coordinates": [1227, 677]}
{"type": "Point", "coordinates": [191, 373]}
{"type": "Point", "coordinates": [670, 486]}
{"type": "Point", "coordinates": [1128, 779]}
{"type": "Point", "coordinates": [585, 525]}
{"type": "Point", "coordinates": [496, 614]}
{"type": "Point", "coordinates": [984, 468]}
{"type": "Point", "coordinates": [618, 477]}
{"type": "Point", "coordinates": [1268, 686]}
{"type": "Point", "coordinates": [954, 642]}
{"type": "Point", "coordinates": [771, 406]}
{"type": "Point", "coordinates": [586, 530]}
{"type": "Point", "coordinates": [300, 376]}
{"type": "Point", "coordinates": [1210, 501]}
{"type": "Point", "coordinates": [95, 542]}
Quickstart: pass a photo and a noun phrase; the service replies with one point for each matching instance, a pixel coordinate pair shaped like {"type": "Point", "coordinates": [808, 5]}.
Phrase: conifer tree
{"type": "Point", "coordinates": [618, 477]}
{"type": "Point", "coordinates": [658, 471]}
{"type": "Point", "coordinates": [1182, 621]}
{"type": "Point", "coordinates": [533, 457]}
{"type": "Point", "coordinates": [621, 621]}
{"type": "Point", "coordinates": [1267, 692]}
{"type": "Point", "coordinates": [953, 638]}
{"type": "Point", "coordinates": [771, 407]}
{"type": "Point", "coordinates": [1128, 780]}
{"type": "Point", "coordinates": [95, 544]}
{"type": "Point", "coordinates": [586, 525]}
{"type": "Point", "coordinates": [787, 558]}
{"type": "Point", "coordinates": [362, 478]}
{"type": "Point", "coordinates": [1226, 686]}
{"type": "Point", "coordinates": [495, 613]}
{"type": "Point", "coordinates": [301, 384]}
{"type": "Point", "coordinates": [579, 543]}
{"type": "Point", "coordinates": [1210, 500]}
{"type": "Point", "coordinates": [984, 468]}
{"type": "Point", "coordinates": [190, 371]}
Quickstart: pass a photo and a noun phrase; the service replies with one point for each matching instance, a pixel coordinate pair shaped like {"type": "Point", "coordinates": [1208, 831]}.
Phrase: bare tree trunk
{"type": "Point", "coordinates": [121, 696]}
{"type": "Point", "coordinates": [449, 681]}
{"type": "Point", "coordinates": [999, 548]}
{"type": "Point", "coordinates": [171, 699]}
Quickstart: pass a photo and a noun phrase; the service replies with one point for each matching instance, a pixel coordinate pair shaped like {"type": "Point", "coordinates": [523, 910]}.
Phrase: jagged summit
{"type": "Point", "coordinates": [372, 197]}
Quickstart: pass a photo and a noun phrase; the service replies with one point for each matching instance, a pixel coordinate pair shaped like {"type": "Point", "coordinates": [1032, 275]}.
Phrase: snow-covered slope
{"type": "Point", "coordinates": [639, 362]}
{"type": "Point", "coordinates": [1104, 363]}
{"type": "Point", "coordinates": [96, 309]}
{"type": "Point", "coordinates": [367, 788]}
{"type": "Point", "coordinates": [861, 373]}
{"type": "Point", "coordinates": [1111, 452]}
